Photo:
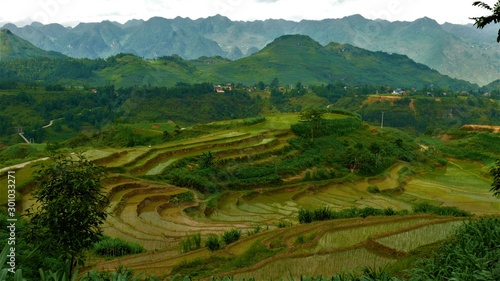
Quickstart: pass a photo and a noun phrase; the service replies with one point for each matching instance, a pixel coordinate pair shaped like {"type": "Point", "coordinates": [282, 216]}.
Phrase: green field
{"type": "Point", "coordinates": [145, 209]}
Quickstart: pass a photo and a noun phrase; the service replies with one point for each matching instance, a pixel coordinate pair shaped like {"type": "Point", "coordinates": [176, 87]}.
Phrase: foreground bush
{"type": "Point", "coordinates": [472, 253]}
{"type": "Point", "coordinates": [212, 243]}
{"type": "Point", "coordinates": [231, 236]}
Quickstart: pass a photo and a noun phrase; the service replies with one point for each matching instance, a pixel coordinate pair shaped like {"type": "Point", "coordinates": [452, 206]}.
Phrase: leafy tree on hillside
{"type": "Point", "coordinates": [495, 172]}
{"type": "Point", "coordinates": [314, 117]}
{"type": "Point", "coordinates": [481, 22]}
{"type": "Point", "coordinates": [207, 160]}
{"type": "Point", "coordinates": [275, 83]}
{"type": "Point", "coordinates": [277, 97]}
{"type": "Point", "coordinates": [70, 208]}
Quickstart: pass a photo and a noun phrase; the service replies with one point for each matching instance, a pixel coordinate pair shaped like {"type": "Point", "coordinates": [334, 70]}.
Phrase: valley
{"type": "Point", "coordinates": [303, 159]}
{"type": "Point", "coordinates": [157, 215]}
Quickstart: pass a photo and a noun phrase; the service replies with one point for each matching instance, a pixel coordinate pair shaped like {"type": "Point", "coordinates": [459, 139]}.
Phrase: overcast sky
{"type": "Point", "coordinates": [71, 12]}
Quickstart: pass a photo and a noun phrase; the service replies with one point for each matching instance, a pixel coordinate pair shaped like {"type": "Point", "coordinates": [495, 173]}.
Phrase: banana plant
{"type": "Point", "coordinates": [4, 271]}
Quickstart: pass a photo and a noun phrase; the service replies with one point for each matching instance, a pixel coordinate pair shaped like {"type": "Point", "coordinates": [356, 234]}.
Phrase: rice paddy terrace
{"type": "Point", "coordinates": [158, 215]}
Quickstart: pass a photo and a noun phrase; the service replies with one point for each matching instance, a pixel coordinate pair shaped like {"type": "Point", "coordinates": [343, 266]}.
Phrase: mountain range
{"type": "Point", "coordinates": [289, 58]}
{"type": "Point", "coordinates": [460, 51]}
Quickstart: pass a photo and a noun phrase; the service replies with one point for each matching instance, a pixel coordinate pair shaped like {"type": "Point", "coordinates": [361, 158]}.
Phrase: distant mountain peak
{"type": "Point", "coordinates": [427, 21]}
{"type": "Point", "coordinates": [36, 24]}
{"type": "Point", "coordinates": [355, 17]}
{"type": "Point", "coordinates": [219, 16]}
{"type": "Point", "coordinates": [13, 47]}
{"type": "Point", "coordinates": [295, 38]}
{"type": "Point", "coordinates": [423, 40]}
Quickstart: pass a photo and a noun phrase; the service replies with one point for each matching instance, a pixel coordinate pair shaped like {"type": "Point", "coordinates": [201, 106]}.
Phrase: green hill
{"type": "Point", "coordinates": [13, 47]}
{"type": "Point", "coordinates": [290, 58]}
{"type": "Point", "coordinates": [293, 58]}
{"type": "Point", "coordinates": [127, 70]}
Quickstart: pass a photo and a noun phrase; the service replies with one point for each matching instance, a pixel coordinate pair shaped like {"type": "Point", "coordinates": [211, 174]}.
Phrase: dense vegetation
{"type": "Point", "coordinates": [472, 253]}
{"type": "Point", "coordinates": [348, 148]}
{"type": "Point", "coordinates": [170, 161]}
{"type": "Point", "coordinates": [324, 213]}
{"type": "Point", "coordinates": [73, 110]}
{"type": "Point", "coordinates": [289, 58]}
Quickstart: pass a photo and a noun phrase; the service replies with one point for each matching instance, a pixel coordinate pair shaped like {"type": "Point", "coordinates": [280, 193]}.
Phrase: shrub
{"type": "Point", "coordinates": [369, 211]}
{"type": "Point", "coordinates": [324, 213]}
{"type": "Point", "coordinates": [231, 236]}
{"type": "Point", "coordinates": [116, 247]}
{"type": "Point", "coordinates": [253, 121]}
{"type": "Point", "coordinates": [472, 253]}
{"type": "Point", "coordinates": [389, 211]}
{"type": "Point", "coordinates": [283, 224]}
{"type": "Point", "coordinates": [185, 197]}
{"type": "Point", "coordinates": [373, 189]}
{"type": "Point", "coordinates": [426, 208]}
{"type": "Point", "coordinates": [305, 216]}
{"type": "Point", "coordinates": [212, 243]}
{"type": "Point", "coordinates": [300, 239]}
{"type": "Point", "coordinates": [190, 243]}
{"type": "Point", "coordinates": [256, 229]}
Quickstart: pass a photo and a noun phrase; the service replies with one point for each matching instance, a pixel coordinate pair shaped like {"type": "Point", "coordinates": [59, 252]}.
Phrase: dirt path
{"type": "Point", "coordinates": [412, 105]}
{"type": "Point", "coordinates": [22, 165]}
{"type": "Point", "coordinates": [50, 124]}
{"type": "Point", "coordinates": [494, 129]}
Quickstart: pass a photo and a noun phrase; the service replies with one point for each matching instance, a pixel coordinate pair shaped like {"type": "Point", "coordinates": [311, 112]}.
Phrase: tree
{"type": "Point", "coordinates": [495, 172]}
{"type": "Point", "coordinates": [70, 209]}
{"type": "Point", "coordinates": [481, 22]}
{"type": "Point", "coordinates": [207, 160]}
{"type": "Point", "coordinates": [276, 97]}
{"type": "Point", "coordinates": [177, 130]}
{"type": "Point", "coordinates": [314, 117]}
{"type": "Point", "coordinates": [166, 135]}
{"type": "Point", "coordinates": [275, 83]}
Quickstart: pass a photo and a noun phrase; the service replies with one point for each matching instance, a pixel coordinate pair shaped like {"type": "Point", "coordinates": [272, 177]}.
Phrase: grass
{"type": "Point", "coordinates": [471, 253]}
{"type": "Point", "coordinates": [149, 214]}
{"type": "Point", "coordinates": [444, 186]}
{"type": "Point", "coordinates": [190, 243]}
{"type": "Point", "coordinates": [114, 247]}
{"type": "Point", "coordinates": [254, 254]}
{"type": "Point", "coordinates": [314, 265]}
{"type": "Point", "coordinates": [350, 236]}
{"type": "Point", "coordinates": [428, 234]}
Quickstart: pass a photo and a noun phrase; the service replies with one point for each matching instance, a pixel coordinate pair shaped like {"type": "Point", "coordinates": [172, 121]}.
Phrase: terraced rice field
{"type": "Point", "coordinates": [461, 185]}
{"type": "Point", "coordinates": [350, 236]}
{"type": "Point", "coordinates": [316, 265]}
{"type": "Point", "coordinates": [411, 239]}
{"type": "Point", "coordinates": [149, 213]}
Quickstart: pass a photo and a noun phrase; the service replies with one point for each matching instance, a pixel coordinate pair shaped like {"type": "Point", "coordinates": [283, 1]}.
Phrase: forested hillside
{"type": "Point", "coordinates": [460, 51]}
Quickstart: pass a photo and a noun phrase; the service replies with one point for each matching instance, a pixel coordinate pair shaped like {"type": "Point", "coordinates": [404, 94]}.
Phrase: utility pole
{"type": "Point", "coordinates": [382, 123]}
